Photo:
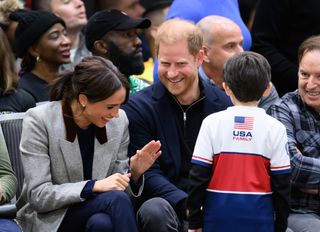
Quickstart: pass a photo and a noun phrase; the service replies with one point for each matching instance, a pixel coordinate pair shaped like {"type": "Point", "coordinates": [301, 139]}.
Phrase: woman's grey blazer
{"type": "Point", "coordinates": [53, 166]}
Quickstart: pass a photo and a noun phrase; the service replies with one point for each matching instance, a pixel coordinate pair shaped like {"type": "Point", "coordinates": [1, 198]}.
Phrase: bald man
{"type": "Point", "coordinates": [222, 38]}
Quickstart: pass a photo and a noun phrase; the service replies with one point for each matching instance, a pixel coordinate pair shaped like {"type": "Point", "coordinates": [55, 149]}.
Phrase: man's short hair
{"type": "Point", "coordinates": [310, 44]}
{"type": "Point", "coordinates": [176, 30]}
{"type": "Point", "coordinates": [248, 75]}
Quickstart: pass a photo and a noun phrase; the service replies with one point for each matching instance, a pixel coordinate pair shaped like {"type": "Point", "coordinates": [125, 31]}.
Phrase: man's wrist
{"type": "Point", "coordinates": [135, 175]}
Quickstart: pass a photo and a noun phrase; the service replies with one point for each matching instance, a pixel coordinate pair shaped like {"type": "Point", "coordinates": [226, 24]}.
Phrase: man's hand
{"type": "Point", "coordinates": [144, 159]}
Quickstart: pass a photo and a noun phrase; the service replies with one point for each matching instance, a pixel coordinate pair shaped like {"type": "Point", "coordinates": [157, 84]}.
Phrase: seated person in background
{"type": "Point", "coordinates": [8, 185]}
{"type": "Point", "coordinates": [240, 175]}
{"type": "Point", "coordinates": [9, 24]}
{"type": "Point", "coordinates": [10, 12]}
{"type": "Point", "coordinates": [73, 13]}
{"type": "Point", "coordinates": [43, 45]}
{"type": "Point", "coordinates": [114, 35]}
{"type": "Point", "coordinates": [74, 155]}
{"type": "Point", "coordinates": [299, 112]}
{"type": "Point", "coordinates": [278, 29]}
{"type": "Point", "coordinates": [132, 8]}
{"type": "Point", "coordinates": [171, 111]}
{"type": "Point", "coordinates": [222, 39]}
{"type": "Point", "coordinates": [11, 98]}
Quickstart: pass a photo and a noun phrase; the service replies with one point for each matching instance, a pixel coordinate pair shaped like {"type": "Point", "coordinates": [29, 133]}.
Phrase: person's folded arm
{"type": "Point", "coordinates": [305, 170]}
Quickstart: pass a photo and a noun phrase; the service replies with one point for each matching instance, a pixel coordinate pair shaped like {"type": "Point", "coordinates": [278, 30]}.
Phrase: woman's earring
{"type": "Point", "coordinates": [38, 59]}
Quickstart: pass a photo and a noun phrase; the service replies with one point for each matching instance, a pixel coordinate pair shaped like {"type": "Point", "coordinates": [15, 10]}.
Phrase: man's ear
{"type": "Point", "coordinates": [200, 57]}
{"type": "Point", "coordinates": [205, 53]}
{"type": "Point", "coordinates": [100, 47]}
{"type": "Point", "coordinates": [268, 90]}
{"type": "Point", "coordinates": [153, 31]}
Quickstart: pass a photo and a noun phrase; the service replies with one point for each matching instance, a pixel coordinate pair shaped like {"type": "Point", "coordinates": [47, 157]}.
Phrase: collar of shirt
{"type": "Point", "coordinates": [204, 76]}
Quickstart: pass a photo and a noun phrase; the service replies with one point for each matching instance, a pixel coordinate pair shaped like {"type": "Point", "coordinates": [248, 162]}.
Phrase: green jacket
{"type": "Point", "coordinates": [8, 180]}
{"type": "Point", "coordinates": [136, 84]}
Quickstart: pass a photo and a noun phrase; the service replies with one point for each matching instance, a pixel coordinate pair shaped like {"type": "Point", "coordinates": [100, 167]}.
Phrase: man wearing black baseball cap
{"type": "Point", "coordinates": [114, 35]}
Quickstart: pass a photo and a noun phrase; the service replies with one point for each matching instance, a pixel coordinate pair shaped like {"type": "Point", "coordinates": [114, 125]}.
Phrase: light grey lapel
{"type": "Point", "coordinates": [72, 157]}
{"type": "Point", "coordinates": [103, 155]}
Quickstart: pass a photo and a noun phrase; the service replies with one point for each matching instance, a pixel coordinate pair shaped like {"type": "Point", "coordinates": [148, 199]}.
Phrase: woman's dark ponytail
{"type": "Point", "coordinates": [62, 88]}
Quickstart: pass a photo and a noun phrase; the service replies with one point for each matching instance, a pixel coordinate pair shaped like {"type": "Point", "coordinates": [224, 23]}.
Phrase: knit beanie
{"type": "Point", "coordinates": [31, 26]}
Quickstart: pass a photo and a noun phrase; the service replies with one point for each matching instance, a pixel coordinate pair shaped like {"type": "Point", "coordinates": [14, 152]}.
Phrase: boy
{"type": "Point", "coordinates": [240, 157]}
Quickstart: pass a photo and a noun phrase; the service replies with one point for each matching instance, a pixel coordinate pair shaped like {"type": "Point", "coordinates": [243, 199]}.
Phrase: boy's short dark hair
{"type": "Point", "coordinates": [248, 75]}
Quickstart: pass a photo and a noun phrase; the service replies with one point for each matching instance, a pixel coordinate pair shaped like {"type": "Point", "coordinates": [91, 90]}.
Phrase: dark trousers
{"type": "Point", "coordinates": [110, 211]}
{"type": "Point", "coordinates": [7, 225]}
{"type": "Point", "coordinates": [157, 215]}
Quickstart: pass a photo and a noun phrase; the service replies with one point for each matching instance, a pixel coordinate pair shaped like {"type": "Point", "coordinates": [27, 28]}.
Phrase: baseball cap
{"type": "Point", "coordinates": [108, 20]}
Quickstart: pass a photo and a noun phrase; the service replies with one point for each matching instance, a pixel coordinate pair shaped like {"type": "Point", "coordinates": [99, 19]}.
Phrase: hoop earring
{"type": "Point", "coordinates": [38, 59]}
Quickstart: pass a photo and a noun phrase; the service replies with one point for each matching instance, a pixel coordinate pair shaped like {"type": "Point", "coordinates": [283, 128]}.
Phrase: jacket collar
{"type": "Point", "coordinates": [161, 98]}
{"type": "Point", "coordinates": [71, 126]}
{"type": "Point", "coordinates": [206, 87]}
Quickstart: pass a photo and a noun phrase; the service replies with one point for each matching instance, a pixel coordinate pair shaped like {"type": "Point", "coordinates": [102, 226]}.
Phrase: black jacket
{"type": "Point", "coordinates": [280, 26]}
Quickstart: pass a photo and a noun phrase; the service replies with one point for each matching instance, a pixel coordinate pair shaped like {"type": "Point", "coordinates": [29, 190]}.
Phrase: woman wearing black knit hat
{"type": "Point", "coordinates": [43, 45]}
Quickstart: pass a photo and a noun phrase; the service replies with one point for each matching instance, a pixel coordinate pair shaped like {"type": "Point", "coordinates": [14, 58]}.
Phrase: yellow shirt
{"type": "Point", "coordinates": [147, 75]}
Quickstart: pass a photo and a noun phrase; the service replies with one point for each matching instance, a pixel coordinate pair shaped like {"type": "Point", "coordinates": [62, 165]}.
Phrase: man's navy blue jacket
{"type": "Point", "coordinates": [151, 118]}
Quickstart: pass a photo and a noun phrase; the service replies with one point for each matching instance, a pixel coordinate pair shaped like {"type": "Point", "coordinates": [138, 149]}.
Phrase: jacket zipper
{"type": "Point", "coordinates": [185, 111]}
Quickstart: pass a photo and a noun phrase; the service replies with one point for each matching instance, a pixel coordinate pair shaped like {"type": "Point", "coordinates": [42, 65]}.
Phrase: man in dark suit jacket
{"type": "Point", "coordinates": [171, 111]}
{"type": "Point", "coordinates": [278, 29]}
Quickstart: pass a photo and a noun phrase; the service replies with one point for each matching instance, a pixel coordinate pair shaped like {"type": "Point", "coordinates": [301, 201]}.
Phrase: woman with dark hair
{"type": "Point", "coordinates": [11, 98]}
{"type": "Point", "coordinates": [42, 43]}
{"type": "Point", "coordinates": [74, 153]}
